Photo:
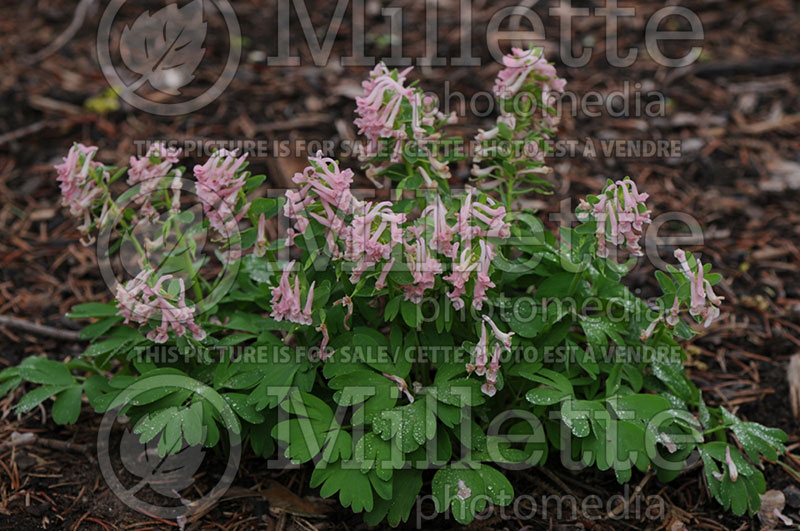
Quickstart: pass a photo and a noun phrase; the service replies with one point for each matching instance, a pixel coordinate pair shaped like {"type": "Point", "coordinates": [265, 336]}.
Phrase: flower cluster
{"type": "Point", "coordinates": [147, 172]}
{"type": "Point", "coordinates": [392, 113]}
{"type": "Point", "coordinates": [139, 302]}
{"type": "Point", "coordinates": [219, 187]}
{"type": "Point", "coordinates": [518, 138]}
{"type": "Point", "coordinates": [286, 302]}
{"type": "Point", "coordinates": [83, 183]}
{"type": "Point", "coordinates": [366, 235]}
{"type": "Point", "coordinates": [501, 341]}
{"type": "Point", "coordinates": [520, 66]}
{"type": "Point", "coordinates": [704, 302]}
{"type": "Point", "coordinates": [620, 212]}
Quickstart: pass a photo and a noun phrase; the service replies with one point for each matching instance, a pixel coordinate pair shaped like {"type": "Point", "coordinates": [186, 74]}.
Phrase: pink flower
{"type": "Point", "coordinates": [347, 302]}
{"type": "Point", "coordinates": [672, 317]}
{"type": "Point", "coordinates": [218, 188]}
{"type": "Point", "coordinates": [462, 269]}
{"type": "Point", "coordinates": [464, 492]}
{"type": "Point", "coordinates": [481, 354]}
{"type": "Point", "coordinates": [324, 353]}
{"type": "Point", "coordinates": [286, 300]}
{"type": "Point", "coordinates": [155, 164]}
{"type": "Point", "coordinates": [483, 282]}
{"type": "Point", "coordinates": [387, 267]}
{"type": "Point", "coordinates": [261, 237]}
{"type": "Point", "coordinates": [733, 472]}
{"type": "Point", "coordinates": [620, 214]}
{"type": "Point", "coordinates": [381, 111]}
{"type": "Point", "coordinates": [443, 232]}
{"type": "Point", "coordinates": [380, 106]}
{"type": "Point", "coordinates": [138, 302]}
{"type": "Point", "coordinates": [704, 302]}
{"type": "Point", "coordinates": [489, 388]}
{"type": "Point", "coordinates": [424, 268]}
{"type": "Point", "coordinates": [503, 337]}
{"type": "Point", "coordinates": [401, 385]}
{"type": "Point", "coordinates": [519, 65]}
{"type": "Point", "coordinates": [79, 190]}
{"type": "Point", "coordinates": [646, 333]}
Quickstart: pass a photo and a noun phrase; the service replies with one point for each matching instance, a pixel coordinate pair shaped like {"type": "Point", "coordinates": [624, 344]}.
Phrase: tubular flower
{"type": "Point", "coordinates": [424, 268]}
{"type": "Point", "coordinates": [481, 354]}
{"type": "Point", "coordinates": [704, 302]}
{"type": "Point", "coordinates": [489, 388]}
{"type": "Point", "coordinates": [380, 106]}
{"type": "Point", "coordinates": [147, 172]}
{"type": "Point", "coordinates": [620, 214]}
{"type": "Point", "coordinates": [286, 300]}
{"type": "Point", "coordinates": [462, 269]}
{"type": "Point", "coordinates": [218, 189]}
{"type": "Point", "coordinates": [443, 232]}
{"type": "Point", "coordinates": [324, 353]}
{"type": "Point", "coordinates": [483, 282]}
{"type": "Point", "coordinates": [155, 164]}
{"type": "Point", "coordinates": [138, 302]}
{"type": "Point", "coordinates": [518, 66]}
{"type": "Point", "coordinates": [401, 385]}
{"type": "Point", "coordinates": [80, 190]}
{"type": "Point", "coordinates": [364, 234]}
{"type": "Point", "coordinates": [260, 248]}
{"type": "Point", "coordinates": [503, 337]}
{"type": "Point", "coordinates": [347, 302]}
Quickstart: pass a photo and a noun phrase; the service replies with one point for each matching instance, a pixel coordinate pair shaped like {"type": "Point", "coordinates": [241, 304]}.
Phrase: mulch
{"type": "Point", "coordinates": [736, 112]}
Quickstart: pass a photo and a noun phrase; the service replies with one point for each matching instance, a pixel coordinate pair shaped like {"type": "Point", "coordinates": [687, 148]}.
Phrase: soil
{"type": "Point", "coordinates": [735, 112]}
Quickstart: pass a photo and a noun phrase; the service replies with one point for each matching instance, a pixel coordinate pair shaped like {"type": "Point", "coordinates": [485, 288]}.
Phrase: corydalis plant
{"type": "Point", "coordinates": [447, 307]}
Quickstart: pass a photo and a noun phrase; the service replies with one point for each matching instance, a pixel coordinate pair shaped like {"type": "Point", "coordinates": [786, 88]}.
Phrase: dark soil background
{"type": "Point", "coordinates": [736, 112]}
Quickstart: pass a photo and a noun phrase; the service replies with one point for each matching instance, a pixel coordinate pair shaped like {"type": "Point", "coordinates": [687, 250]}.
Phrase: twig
{"type": "Point", "coordinates": [622, 506]}
{"type": "Point", "coordinates": [28, 439]}
{"type": "Point", "coordinates": [30, 129]}
{"type": "Point", "coordinates": [66, 35]}
{"type": "Point", "coordinates": [42, 330]}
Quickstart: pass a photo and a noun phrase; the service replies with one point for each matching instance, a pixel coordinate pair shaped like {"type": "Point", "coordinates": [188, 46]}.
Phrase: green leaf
{"type": "Point", "coordinates": [406, 485]}
{"type": "Point", "coordinates": [409, 426]}
{"type": "Point", "coordinates": [67, 406]}
{"type": "Point", "coordinates": [755, 438]}
{"type": "Point", "coordinates": [45, 371]}
{"type": "Point", "coordinates": [545, 396]}
{"type": "Point", "coordinates": [410, 312]}
{"type": "Point", "coordinates": [37, 396]}
{"type": "Point", "coordinates": [353, 486]}
{"type": "Point", "coordinates": [392, 307]}
{"type": "Point", "coordinates": [95, 330]}
{"type": "Point", "coordinates": [461, 489]}
{"type": "Point", "coordinates": [92, 309]}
